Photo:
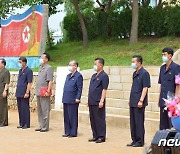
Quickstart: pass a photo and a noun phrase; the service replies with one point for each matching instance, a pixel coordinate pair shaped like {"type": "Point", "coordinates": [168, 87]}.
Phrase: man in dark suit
{"type": "Point", "coordinates": [24, 83]}
{"type": "Point", "coordinates": [71, 99]}
{"type": "Point", "coordinates": [138, 101]}
{"type": "Point", "coordinates": [97, 101]}
{"type": "Point", "coordinates": [168, 71]}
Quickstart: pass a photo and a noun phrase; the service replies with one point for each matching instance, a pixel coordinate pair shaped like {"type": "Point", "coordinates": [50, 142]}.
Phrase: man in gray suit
{"type": "Point", "coordinates": [44, 80]}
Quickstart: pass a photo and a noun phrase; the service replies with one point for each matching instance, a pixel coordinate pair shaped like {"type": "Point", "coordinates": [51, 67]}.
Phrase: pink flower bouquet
{"type": "Point", "coordinates": [173, 106]}
{"type": "Point", "coordinates": [177, 79]}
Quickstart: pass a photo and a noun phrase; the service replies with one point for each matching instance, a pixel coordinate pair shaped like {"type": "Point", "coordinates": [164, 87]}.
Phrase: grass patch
{"type": "Point", "coordinates": [115, 52]}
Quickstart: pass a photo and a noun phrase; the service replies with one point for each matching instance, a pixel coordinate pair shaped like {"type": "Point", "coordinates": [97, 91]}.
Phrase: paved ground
{"type": "Point", "coordinates": [18, 141]}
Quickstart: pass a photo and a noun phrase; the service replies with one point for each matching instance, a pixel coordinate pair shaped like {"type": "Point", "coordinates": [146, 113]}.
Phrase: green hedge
{"type": "Point", "coordinates": [152, 21]}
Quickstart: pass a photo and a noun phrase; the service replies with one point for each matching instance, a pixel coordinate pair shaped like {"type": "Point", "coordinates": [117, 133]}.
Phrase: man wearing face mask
{"type": "Point", "coordinates": [43, 92]}
{"type": "Point", "coordinates": [167, 84]}
{"type": "Point", "coordinates": [4, 86]}
{"type": "Point", "coordinates": [71, 99]}
{"type": "Point", "coordinates": [138, 101]}
{"type": "Point", "coordinates": [97, 101]}
{"type": "Point", "coordinates": [24, 83]}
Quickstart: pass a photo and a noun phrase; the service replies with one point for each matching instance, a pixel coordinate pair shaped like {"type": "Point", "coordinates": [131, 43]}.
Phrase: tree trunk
{"type": "Point", "coordinates": [49, 38]}
{"type": "Point", "coordinates": [82, 23]}
{"type": "Point", "coordinates": [160, 4]}
{"type": "Point", "coordinates": [107, 25]}
{"type": "Point", "coordinates": [109, 29]}
{"type": "Point", "coordinates": [145, 3]}
{"type": "Point", "coordinates": [134, 26]}
{"type": "Point", "coordinates": [98, 2]}
{"type": "Point", "coordinates": [109, 5]}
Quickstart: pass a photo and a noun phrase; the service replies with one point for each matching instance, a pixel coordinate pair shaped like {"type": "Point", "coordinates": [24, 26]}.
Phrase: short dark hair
{"type": "Point", "coordinates": [3, 61]}
{"type": "Point", "coordinates": [170, 51]}
{"type": "Point", "coordinates": [47, 55]}
{"type": "Point", "coordinates": [139, 58]}
{"type": "Point", "coordinates": [23, 59]}
{"type": "Point", "coordinates": [101, 60]}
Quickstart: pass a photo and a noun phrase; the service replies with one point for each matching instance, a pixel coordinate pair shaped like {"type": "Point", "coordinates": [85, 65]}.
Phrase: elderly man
{"type": "Point", "coordinates": [43, 92]}
{"type": "Point", "coordinates": [71, 99]}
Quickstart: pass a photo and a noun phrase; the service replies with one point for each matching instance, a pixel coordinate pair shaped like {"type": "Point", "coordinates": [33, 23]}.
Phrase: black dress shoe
{"type": "Point", "coordinates": [38, 129]}
{"type": "Point", "coordinates": [92, 140]}
{"type": "Point", "coordinates": [71, 136]}
{"type": "Point", "coordinates": [25, 127]}
{"type": "Point", "coordinates": [1, 125]}
{"type": "Point", "coordinates": [19, 126]}
{"type": "Point", "coordinates": [43, 130]}
{"type": "Point", "coordinates": [138, 145]}
{"type": "Point", "coordinates": [100, 140]}
{"type": "Point", "coordinates": [130, 144]}
{"type": "Point", "coordinates": [65, 135]}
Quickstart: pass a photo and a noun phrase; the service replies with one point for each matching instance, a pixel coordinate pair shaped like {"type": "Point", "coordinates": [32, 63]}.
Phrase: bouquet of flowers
{"type": "Point", "coordinates": [173, 103]}
{"type": "Point", "coordinates": [173, 106]}
{"type": "Point", "coordinates": [177, 79]}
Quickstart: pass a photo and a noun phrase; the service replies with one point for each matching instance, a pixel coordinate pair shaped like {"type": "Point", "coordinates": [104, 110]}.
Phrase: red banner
{"type": "Point", "coordinates": [21, 34]}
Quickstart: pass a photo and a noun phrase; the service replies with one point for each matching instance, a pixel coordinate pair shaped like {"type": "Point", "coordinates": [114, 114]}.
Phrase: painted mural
{"type": "Point", "coordinates": [21, 35]}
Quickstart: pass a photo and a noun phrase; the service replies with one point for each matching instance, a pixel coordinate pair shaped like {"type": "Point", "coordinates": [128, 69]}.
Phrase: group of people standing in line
{"type": "Point", "coordinates": [23, 89]}
{"type": "Point", "coordinates": [96, 97]}
{"type": "Point", "coordinates": [139, 94]}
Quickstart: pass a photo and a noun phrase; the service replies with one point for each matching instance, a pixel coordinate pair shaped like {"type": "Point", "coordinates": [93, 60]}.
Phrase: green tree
{"type": "Point", "coordinates": [79, 7]}
{"type": "Point", "coordinates": [134, 26]}
{"type": "Point", "coordinates": [82, 23]}
{"type": "Point", "coordinates": [52, 4]}
{"type": "Point", "coordinates": [7, 6]}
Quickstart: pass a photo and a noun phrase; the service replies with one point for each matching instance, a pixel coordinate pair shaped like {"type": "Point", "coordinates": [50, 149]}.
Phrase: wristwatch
{"type": "Point", "coordinates": [102, 101]}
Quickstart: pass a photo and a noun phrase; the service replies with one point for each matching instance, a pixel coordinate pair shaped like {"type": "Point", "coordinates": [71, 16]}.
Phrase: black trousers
{"type": "Point", "coordinates": [3, 111]}
{"type": "Point", "coordinates": [71, 118]}
{"type": "Point", "coordinates": [137, 124]}
{"type": "Point", "coordinates": [165, 121]}
{"type": "Point", "coordinates": [98, 121]}
{"type": "Point", "coordinates": [24, 112]}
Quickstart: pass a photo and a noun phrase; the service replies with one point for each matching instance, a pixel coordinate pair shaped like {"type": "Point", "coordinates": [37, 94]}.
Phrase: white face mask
{"type": "Point", "coordinates": [133, 65]}
{"type": "Point", "coordinates": [165, 59]}
{"type": "Point", "coordinates": [70, 68]}
{"type": "Point", "coordinates": [95, 68]}
{"type": "Point", "coordinates": [19, 65]}
{"type": "Point", "coordinates": [41, 61]}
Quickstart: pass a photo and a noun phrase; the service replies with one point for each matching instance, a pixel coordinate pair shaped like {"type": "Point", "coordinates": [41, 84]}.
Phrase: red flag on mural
{"type": "Point", "coordinates": [21, 34]}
